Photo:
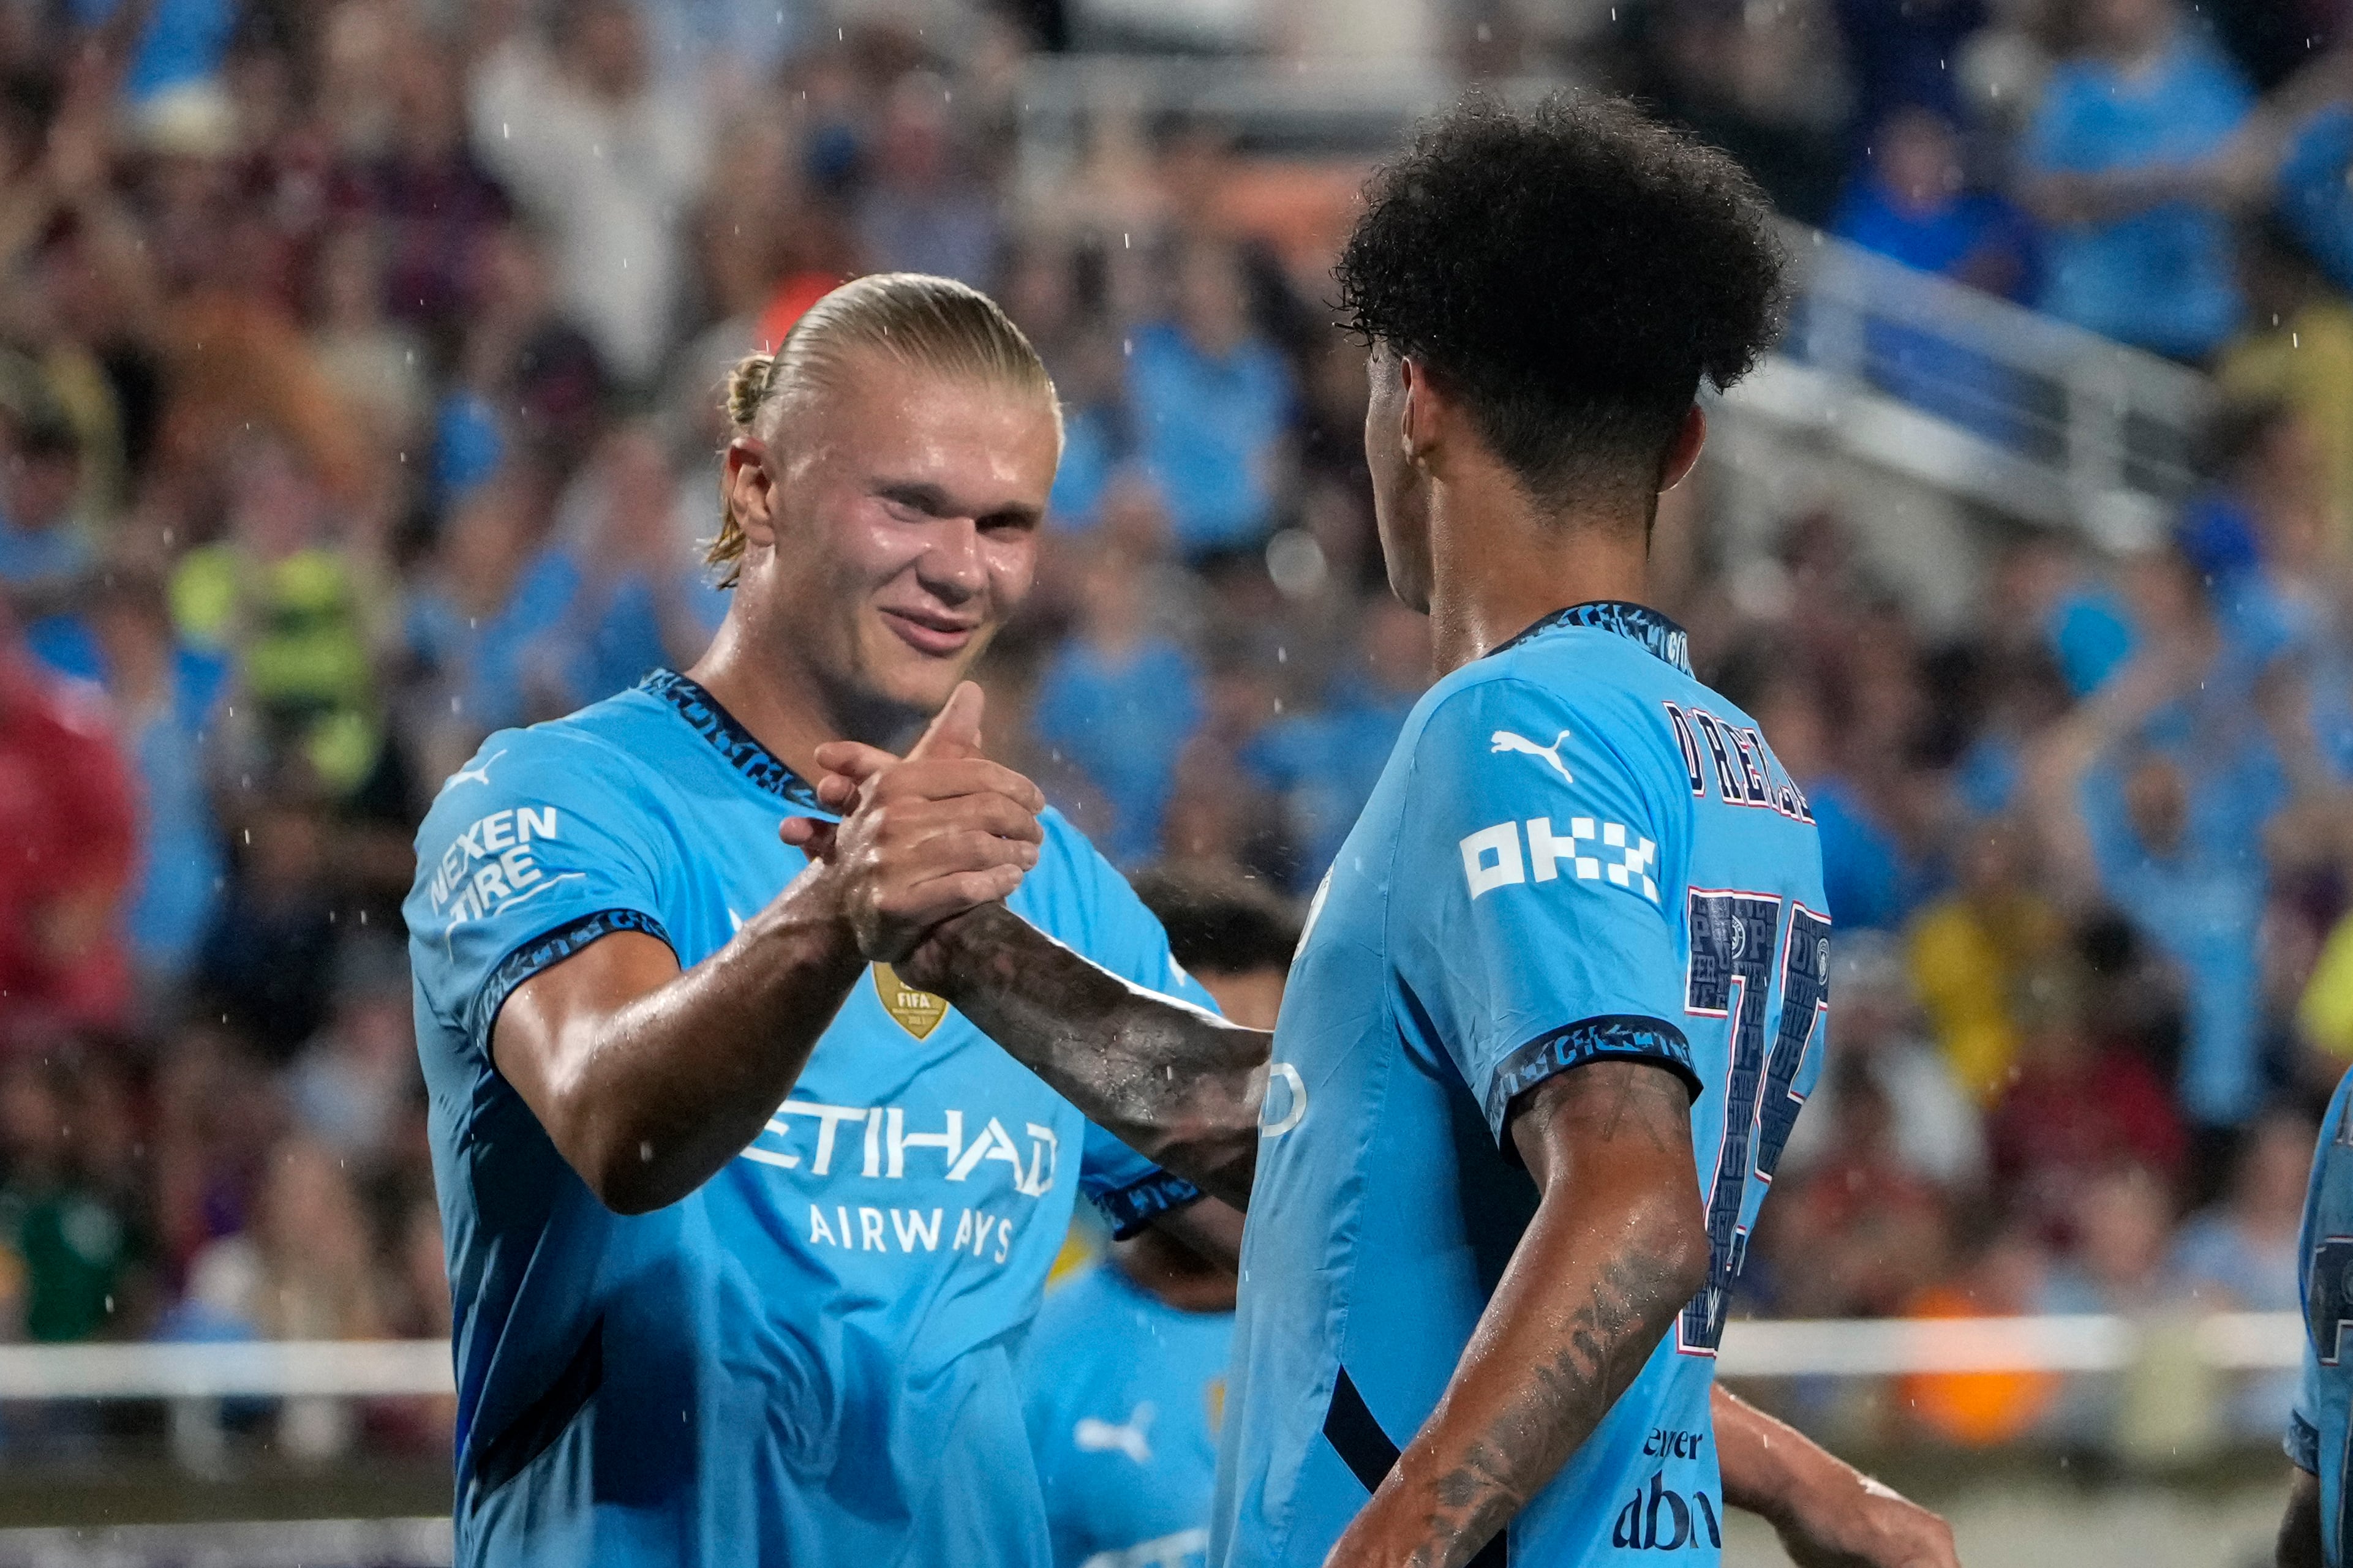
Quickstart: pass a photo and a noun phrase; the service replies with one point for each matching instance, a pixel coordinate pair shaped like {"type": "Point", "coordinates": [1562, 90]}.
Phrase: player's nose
{"type": "Point", "coordinates": [951, 566]}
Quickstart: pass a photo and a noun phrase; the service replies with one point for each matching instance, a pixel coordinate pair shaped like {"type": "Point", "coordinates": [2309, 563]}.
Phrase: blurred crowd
{"type": "Point", "coordinates": [360, 370]}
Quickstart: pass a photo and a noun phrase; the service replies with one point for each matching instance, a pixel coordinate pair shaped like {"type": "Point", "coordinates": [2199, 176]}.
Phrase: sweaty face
{"type": "Point", "coordinates": [904, 517]}
{"type": "Point", "coordinates": [1400, 501]}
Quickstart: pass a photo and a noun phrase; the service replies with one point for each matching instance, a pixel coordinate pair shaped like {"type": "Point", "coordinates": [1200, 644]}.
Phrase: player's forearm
{"type": "Point", "coordinates": [2299, 1536]}
{"type": "Point", "coordinates": [1767, 1466]}
{"type": "Point", "coordinates": [1828, 1513]}
{"type": "Point", "coordinates": [1617, 1247]}
{"type": "Point", "coordinates": [1178, 1085]}
{"type": "Point", "coordinates": [650, 1091]}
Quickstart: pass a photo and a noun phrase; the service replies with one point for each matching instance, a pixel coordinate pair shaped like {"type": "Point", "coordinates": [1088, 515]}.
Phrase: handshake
{"type": "Point", "coordinates": [922, 838]}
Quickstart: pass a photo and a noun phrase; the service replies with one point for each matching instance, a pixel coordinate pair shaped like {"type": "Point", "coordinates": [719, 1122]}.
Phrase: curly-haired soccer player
{"type": "Point", "coordinates": [1563, 992]}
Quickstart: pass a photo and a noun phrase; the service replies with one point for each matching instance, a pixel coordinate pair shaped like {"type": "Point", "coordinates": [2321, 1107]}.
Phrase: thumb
{"type": "Point", "coordinates": [954, 732]}
{"type": "Point", "coordinates": [812, 835]}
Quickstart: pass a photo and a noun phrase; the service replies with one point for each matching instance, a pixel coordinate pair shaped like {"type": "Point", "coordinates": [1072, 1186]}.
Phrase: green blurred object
{"type": "Point", "coordinates": [297, 622]}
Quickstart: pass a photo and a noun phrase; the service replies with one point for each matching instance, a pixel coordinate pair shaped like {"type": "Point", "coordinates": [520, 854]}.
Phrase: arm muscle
{"type": "Point", "coordinates": [650, 1080]}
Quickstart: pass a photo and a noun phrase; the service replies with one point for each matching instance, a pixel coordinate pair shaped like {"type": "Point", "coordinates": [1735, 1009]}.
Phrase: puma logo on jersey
{"type": "Point", "coordinates": [1504, 741]}
{"type": "Point", "coordinates": [480, 775]}
{"type": "Point", "coordinates": [1094, 1436]}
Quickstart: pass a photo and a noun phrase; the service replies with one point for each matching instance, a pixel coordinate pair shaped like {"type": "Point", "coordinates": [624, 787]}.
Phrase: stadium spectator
{"type": "Point", "coordinates": [1118, 702]}
{"type": "Point", "coordinates": [267, 964]}
{"type": "Point", "coordinates": [287, 596]}
{"type": "Point", "coordinates": [216, 1115]}
{"type": "Point", "coordinates": [350, 1088]}
{"type": "Point", "coordinates": [71, 1252]}
{"type": "Point", "coordinates": [921, 213]}
{"type": "Point", "coordinates": [45, 544]}
{"type": "Point", "coordinates": [2240, 1255]}
{"type": "Point", "coordinates": [1931, 1129]}
{"type": "Point", "coordinates": [1323, 763]}
{"type": "Point", "coordinates": [2115, 165]}
{"type": "Point", "coordinates": [302, 1271]}
{"type": "Point", "coordinates": [1864, 1230]}
{"type": "Point", "coordinates": [166, 698]}
{"type": "Point", "coordinates": [1213, 405]}
{"type": "Point", "coordinates": [1912, 204]}
{"type": "Point", "coordinates": [2155, 795]}
{"type": "Point", "coordinates": [609, 158]}
{"type": "Point", "coordinates": [67, 849]}
{"type": "Point", "coordinates": [1969, 950]}
{"type": "Point", "coordinates": [2074, 1107]}
{"type": "Point", "coordinates": [2298, 351]}
{"type": "Point", "coordinates": [1873, 877]}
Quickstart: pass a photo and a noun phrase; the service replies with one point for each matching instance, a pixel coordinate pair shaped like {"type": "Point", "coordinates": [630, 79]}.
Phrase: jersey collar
{"type": "Point", "coordinates": [733, 742]}
{"type": "Point", "coordinates": [1627, 619]}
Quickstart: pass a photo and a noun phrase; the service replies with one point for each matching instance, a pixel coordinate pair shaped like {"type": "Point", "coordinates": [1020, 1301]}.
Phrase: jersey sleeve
{"type": "Point", "coordinates": [1125, 937]}
{"type": "Point", "coordinates": [534, 849]}
{"type": "Point", "coordinates": [1527, 912]}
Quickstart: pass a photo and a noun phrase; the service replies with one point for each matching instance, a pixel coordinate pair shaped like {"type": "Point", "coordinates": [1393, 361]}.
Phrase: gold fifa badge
{"type": "Point", "coordinates": [918, 1012]}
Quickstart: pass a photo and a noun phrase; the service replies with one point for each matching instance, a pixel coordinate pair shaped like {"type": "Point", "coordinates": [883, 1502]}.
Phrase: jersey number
{"type": "Point", "coordinates": [1734, 937]}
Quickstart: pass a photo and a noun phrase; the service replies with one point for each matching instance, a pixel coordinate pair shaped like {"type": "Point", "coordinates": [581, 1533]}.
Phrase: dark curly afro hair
{"type": "Point", "coordinates": [1573, 272]}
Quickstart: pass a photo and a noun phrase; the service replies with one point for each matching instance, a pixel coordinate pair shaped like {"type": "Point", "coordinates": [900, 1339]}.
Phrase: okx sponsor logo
{"type": "Point", "coordinates": [1658, 1518]}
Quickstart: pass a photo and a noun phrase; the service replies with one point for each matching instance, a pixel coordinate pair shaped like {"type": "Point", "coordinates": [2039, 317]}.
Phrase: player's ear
{"type": "Point", "coordinates": [751, 488]}
{"type": "Point", "coordinates": [1684, 450]}
{"type": "Point", "coordinates": [1418, 411]}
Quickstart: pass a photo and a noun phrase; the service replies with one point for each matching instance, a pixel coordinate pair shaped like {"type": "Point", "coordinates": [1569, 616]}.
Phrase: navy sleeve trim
{"type": "Point", "coordinates": [1139, 1204]}
{"type": "Point", "coordinates": [1613, 1036]}
{"type": "Point", "coordinates": [549, 948]}
{"type": "Point", "coordinates": [2303, 1443]}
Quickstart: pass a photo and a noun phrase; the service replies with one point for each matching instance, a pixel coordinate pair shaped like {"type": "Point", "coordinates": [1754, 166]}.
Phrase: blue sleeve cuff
{"type": "Point", "coordinates": [2303, 1443]}
{"type": "Point", "coordinates": [1131, 1207]}
{"type": "Point", "coordinates": [1617, 1036]}
{"type": "Point", "coordinates": [551, 947]}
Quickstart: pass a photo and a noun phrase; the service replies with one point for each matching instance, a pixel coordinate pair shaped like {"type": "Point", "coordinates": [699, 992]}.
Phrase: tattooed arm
{"type": "Point", "coordinates": [1178, 1085]}
{"type": "Point", "coordinates": [1617, 1245]}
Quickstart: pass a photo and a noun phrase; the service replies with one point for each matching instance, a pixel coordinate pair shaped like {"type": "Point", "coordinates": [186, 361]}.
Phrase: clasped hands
{"type": "Point", "coordinates": [922, 838]}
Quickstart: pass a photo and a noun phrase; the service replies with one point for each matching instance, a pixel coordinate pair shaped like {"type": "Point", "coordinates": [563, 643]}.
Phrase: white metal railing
{"type": "Point", "coordinates": [1752, 1348]}
{"type": "Point", "coordinates": [1973, 395]}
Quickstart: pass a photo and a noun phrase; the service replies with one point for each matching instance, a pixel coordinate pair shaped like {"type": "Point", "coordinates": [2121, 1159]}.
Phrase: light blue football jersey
{"type": "Point", "coordinates": [810, 1358]}
{"type": "Point", "coordinates": [1576, 852]}
{"type": "Point", "coordinates": [1125, 1394]}
{"type": "Point", "coordinates": [2317, 1432]}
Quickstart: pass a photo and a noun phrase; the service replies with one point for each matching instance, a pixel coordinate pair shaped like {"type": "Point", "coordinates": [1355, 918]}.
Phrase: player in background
{"type": "Point", "coordinates": [2312, 1533]}
{"type": "Point", "coordinates": [1563, 991]}
{"type": "Point", "coordinates": [742, 1226]}
{"type": "Point", "coordinates": [1126, 1365]}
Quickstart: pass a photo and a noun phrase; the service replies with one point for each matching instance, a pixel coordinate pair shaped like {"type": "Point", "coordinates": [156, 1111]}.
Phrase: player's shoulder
{"type": "Point", "coordinates": [593, 760]}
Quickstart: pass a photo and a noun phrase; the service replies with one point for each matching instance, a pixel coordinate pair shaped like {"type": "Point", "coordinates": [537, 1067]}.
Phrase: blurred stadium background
{"type": "Point", "coordinates": [359, 369]}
